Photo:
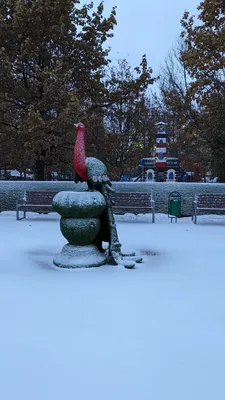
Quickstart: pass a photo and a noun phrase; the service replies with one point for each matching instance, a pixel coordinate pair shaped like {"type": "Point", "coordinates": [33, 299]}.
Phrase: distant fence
{"type": "Point", "coordinates": [11, 191]}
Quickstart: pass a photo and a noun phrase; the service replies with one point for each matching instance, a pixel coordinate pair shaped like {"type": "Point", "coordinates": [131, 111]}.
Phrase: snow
{"type": "Point", "coordinates": [10, 191]}
{"type": "Point", "coordinates": [155, 332]}
{"type": "Point", "coordinates": [79, 204]}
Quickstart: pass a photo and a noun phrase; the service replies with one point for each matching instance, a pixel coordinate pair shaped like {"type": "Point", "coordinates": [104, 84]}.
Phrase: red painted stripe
{"type": "Point", "coordinates": [80, 155]}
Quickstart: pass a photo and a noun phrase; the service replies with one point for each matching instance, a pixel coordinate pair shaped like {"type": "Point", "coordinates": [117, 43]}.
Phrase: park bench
{"type": "Point", "coordinates": [133, 202]}
{"type": "Point", "coordinates": [34, 200]}
{"type": "Point", "coordinates": [207, 202]}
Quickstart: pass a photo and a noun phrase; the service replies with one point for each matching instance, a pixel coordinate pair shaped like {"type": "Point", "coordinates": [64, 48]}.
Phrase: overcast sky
{"type": "Point", "coordinates": [147, 26]}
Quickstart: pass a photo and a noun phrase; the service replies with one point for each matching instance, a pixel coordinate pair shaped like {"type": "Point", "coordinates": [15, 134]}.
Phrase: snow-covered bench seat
{"type": "Point", "coordinates": [34, 200]}
{"type": "Point", "coordinates": [207, 202]}
{"type": "Point", "coordinates": [133, 202]}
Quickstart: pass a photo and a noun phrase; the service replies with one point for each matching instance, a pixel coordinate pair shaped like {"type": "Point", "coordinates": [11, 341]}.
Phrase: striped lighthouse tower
{"type": "Point", "coordinates": [159, 167]}
{"type": "Point", "coordinates": [161, 139]}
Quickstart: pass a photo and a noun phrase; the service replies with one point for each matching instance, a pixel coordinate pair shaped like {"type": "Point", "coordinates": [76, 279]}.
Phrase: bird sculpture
{"type": "Point", "coordinates": [88, 169]}
{"type": "Point", "coordinates": [95, 174]}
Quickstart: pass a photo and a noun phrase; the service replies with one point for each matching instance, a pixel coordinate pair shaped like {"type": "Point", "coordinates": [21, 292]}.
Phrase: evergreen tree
{"type": "Point", "coordinates": [52, 56]}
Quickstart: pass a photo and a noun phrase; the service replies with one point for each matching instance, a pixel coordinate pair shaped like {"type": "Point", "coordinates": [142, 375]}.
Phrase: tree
{"type": "Point", "coordinates": [124, 131]}
{"type": "Point", "coordinates": [179, 109]}
{"type": "Point", "coordinates": [214, 134]}
{"type": "Point", "coordinates": [52, 57]}
{"type": "Point", "coordinates": [204, 58]}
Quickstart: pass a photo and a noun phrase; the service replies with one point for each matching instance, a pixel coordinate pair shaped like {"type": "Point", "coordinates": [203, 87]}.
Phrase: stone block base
{"type": "Point", "coordinates": [79, 257]}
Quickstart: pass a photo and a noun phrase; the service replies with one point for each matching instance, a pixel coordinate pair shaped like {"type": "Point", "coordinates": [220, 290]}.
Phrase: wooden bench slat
{"type": "Point", "coordinates": [208, 202]}
{"type": "Point", "coordinates": [35, 200]}
{"type": "Point", "coordinates": [212, 209]}
{"type": "Point", "coordinates": [133, 202]}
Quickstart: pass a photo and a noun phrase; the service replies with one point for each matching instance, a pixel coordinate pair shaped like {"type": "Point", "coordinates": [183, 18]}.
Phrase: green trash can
{"type": "Point", "coordinates": [174, 206]}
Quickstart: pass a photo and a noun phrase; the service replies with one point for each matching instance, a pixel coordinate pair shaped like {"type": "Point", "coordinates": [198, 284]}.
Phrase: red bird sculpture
{"type": "Point", "coordinates": [88, 169]}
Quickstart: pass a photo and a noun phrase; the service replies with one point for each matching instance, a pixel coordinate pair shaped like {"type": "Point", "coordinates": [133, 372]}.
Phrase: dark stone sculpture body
{"type": "Point", "coordinates": [87, 218]}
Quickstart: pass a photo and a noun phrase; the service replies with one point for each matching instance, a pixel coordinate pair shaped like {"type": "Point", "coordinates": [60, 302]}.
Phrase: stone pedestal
{"type": "Point", "coordinates": [79, 225]}
{"type": "Point", "coordinates": [79, 257]}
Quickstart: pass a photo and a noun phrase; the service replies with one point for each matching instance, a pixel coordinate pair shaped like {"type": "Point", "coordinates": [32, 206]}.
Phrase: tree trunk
{"type": "Point", "coordinates": [40, 170]}
{"type": "Point", "coordinates": [221, 178]}
{"type": "Point", "coordinates": [49, 176]}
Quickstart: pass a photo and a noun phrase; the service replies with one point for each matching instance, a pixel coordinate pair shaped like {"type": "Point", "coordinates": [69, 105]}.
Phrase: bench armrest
{"type": "Point", "coordinates": [20, 201]}
{"type": "Point", "coordinates": [152, 203]}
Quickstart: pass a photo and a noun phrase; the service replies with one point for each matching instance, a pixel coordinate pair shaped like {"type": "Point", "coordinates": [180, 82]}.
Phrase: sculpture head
{"type": "Point", "coordinates": [79, 127]}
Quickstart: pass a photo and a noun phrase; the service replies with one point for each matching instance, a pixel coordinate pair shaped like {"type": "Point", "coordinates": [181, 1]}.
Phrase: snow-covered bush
{"type": "Point", "coordinates": [11, 191]}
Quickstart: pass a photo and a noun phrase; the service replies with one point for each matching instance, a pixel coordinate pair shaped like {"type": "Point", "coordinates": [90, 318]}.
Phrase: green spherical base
{"type": "Point", "coordinates": [79, 231]}
{"type": "Point", "coordinates": [79, 257]}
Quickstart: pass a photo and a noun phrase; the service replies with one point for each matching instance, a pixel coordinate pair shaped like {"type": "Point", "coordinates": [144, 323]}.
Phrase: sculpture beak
{"type": "Point", "coordinates": [79, 125]}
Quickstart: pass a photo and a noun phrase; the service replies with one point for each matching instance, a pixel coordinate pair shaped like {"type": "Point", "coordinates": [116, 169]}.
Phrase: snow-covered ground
{"type": "Point", "coordinates": [156, 332]}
